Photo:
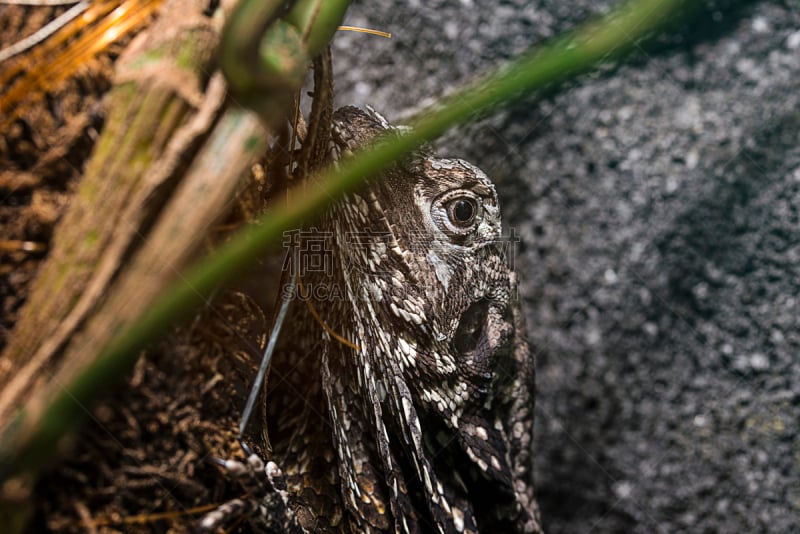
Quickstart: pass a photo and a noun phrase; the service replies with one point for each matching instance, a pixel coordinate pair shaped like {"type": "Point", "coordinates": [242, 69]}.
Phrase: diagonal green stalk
{"type": "Point", "coordinates": [613, 35]}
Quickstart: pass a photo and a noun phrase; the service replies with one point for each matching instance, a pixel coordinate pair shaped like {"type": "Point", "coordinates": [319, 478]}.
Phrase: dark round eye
{"type": "Point", "coordinates": [462, 211]}
{"type": "Point", "coordinates": [458, 213]}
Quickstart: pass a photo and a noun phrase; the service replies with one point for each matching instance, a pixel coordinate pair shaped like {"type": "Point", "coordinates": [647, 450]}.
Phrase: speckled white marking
{"type": "Point", "coordinates": [482, 464]}
{"type": "Point", "coordinates": [407, 409]}
{"type": "Point", "coordinates": [518, 430]}
{"type": "Point", "coordinates": [495, 463]}
{"type": "Point", "coordinates": [458, 519]}
{"type": "Point", "coordinates": [440, 268]}
{"type": "Point", "coordinates": [427, 479]}
{"type": "Point", "coordinates": [446, 506]}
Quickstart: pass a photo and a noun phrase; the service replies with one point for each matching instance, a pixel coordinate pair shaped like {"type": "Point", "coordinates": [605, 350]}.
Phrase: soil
{"type": "Point", "coordinates": [147, 449]}
{"type": "Point", "coordinates": [41, 154]}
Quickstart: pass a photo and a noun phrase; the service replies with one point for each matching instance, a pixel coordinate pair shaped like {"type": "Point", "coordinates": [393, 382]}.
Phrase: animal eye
{"type": "Point", "coordinates": [462, 211]}
{"type": "Point", "coordinates": [457, 213]}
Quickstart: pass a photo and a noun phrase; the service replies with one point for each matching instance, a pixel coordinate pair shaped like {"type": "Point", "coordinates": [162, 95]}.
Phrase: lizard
{"type": "Point", "coordinates": [412, 410]}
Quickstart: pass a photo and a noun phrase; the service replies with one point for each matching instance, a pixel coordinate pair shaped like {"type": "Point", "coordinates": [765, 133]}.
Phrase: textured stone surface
{"type": "Point", "coordinates": [658, 203]}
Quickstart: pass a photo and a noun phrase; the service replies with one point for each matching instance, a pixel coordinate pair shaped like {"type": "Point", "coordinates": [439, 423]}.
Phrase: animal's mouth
{"type": "Point", "coordinates": [471, 330]}
{"type": "Point", "coordinates": [483, 334]}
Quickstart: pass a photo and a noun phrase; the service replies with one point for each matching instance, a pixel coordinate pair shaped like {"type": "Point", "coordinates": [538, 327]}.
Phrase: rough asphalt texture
{"type": "Point", "coordinates": [658, 204]}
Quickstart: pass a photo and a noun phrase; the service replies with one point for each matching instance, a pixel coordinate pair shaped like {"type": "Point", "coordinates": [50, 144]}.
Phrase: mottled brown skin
{"type": "Point", "coordinates": [426, 427]}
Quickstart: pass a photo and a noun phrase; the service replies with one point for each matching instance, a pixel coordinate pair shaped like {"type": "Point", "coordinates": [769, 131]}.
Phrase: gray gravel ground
{"type": "Point", "coordinates": [658, 207]}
